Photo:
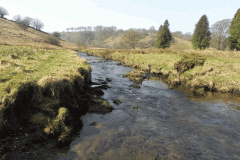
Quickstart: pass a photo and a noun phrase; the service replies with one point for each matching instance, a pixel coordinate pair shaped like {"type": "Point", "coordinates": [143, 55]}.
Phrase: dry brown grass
{"type": "Point", "coordinates": [12, 34]}
{"type": "Point", "coordinates": [113, 40]}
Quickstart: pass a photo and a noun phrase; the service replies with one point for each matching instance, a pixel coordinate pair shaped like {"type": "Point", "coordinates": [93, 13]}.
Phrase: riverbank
{"type": "Point", "coordinates": [200, 70]}
{"type": "Point", "coordinates": [43, 95]}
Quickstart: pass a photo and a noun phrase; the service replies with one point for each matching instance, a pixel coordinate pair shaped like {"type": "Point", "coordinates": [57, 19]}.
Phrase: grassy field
{"type": "Point", "coordinates": [219, 72]}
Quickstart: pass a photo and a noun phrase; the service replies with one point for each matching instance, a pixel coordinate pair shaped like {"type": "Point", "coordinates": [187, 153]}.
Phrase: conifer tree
{"type": "Point", "coordinates": [158, 37]}
{"type": "Point", "coordinates": [164, 36]}
{"type": "Point", "coordinates": [201, 36]}
{"type": "Point", "coordinates": [234, 39]}
{"type": "Point", "coordinates": [159, 30]}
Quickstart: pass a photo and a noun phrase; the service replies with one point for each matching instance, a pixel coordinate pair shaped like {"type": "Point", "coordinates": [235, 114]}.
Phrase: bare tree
{"type": "Point", "coordinates": [99, 34]}
{"type": "Point", "coordinates": [17, 18]}
{"type": "Point", "coordinates": [27, 21]}
{"type": "Point", "coordinates": [3, 12]}
{"type": "Point", "coordinates": [153, 36]}
{"type": "Point", "coordinates": [178, 34]}
{"type": "Point", "coordinates": [152, 30]}
{"type": "Point", "coordinates": [220, 32]}
{"type": "Point", "coordinates": [37, 24]}
{"type": "Point", "coordinates": [131, 37]}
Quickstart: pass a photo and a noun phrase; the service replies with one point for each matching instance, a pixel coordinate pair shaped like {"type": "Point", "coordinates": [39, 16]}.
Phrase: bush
{"type": "Point", "coordinates": [188, 62]}
{"type": "Point", "coordinates": [53, 40]}
{"type": "Point", "coordinates": [56, 34]}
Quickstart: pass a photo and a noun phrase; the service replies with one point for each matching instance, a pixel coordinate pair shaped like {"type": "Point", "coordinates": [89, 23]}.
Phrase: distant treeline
{"type": "Point", "coordinates": [95, 36]}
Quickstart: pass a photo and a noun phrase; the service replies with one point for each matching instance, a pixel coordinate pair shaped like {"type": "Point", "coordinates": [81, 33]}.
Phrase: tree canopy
{"type": "Point", "coordinates": [234, 39]}
{"type": "Point", "coordinates": [164, 36]}
{"type": "Point", "coordinates": [220, 33]}
{"type": "Point", "coordinates": [131, 37]}
{"type": "Point", "coordinates": [201, 36]}
{"type": "Point", "coordinates": [3, 12]}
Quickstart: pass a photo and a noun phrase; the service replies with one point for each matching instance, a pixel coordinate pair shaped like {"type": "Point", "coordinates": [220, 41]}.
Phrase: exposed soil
{"type": "Point", "coordinates": [20, 146]}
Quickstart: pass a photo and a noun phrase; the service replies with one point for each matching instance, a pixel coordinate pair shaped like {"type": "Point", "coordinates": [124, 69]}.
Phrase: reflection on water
{"type": "Point", "coordinates": [167, 124]}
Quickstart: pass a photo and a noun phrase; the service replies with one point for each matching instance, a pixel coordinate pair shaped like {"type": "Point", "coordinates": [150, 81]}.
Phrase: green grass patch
{"type": "Point", "coordinates": [33, 64]}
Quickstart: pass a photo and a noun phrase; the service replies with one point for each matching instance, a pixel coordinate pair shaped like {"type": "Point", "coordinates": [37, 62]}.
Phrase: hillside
{"type": "Point", "coordinates": [179, 43]}
{"type": "Point", "coordinates": [12, 34]}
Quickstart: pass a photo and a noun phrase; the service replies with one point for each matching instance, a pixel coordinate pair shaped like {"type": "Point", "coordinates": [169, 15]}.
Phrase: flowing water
{"type": "Point", "coordinates": [154, 122]}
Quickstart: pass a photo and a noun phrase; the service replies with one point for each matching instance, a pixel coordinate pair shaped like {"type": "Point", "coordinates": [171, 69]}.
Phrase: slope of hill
{"type": "Point", "coordinates": [113, 41]}
{"type": "Point", "coordinates": [12, 34]}
{"type": "Point", "coordinates": [177, 43]}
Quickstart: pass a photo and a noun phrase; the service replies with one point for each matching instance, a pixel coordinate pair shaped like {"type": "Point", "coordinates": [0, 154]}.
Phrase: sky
{"type": "Point", "coordinates": [57, 15]}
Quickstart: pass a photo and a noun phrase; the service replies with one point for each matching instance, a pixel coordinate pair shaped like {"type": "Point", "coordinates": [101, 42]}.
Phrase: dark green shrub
{"type": "Point", "coordinates": [53, 40]}
{"type": "Point", "coordinates": [188, 62]}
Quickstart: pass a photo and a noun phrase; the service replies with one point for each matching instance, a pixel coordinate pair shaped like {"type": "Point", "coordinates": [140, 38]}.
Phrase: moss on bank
{"type": "Point", "coordinates": [206, 70]}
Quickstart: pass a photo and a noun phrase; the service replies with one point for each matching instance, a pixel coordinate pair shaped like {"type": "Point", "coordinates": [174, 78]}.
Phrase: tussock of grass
{"type": "Point", "coordinates": [135, 76]}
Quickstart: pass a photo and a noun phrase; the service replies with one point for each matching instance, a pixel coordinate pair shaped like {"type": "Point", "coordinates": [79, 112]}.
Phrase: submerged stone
{"type": "Point", "coordinates": [109, 79]}
{"type": "Point", "coordinates": [116, 101]}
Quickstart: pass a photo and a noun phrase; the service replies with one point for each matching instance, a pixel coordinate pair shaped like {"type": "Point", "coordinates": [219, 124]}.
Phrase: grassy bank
{"type": "Point", "coordinates": [201, 70]}
{"type": "Point", "coordinates": [44, 89]}
{"type": "Point", "coordinates": [41, 90]}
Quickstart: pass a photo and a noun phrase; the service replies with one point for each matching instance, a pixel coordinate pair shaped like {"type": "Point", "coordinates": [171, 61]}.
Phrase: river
{"type": "Point", "coordinates": [154, 122]}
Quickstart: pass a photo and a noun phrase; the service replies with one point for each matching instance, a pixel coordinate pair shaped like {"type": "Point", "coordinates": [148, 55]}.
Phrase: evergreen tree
{"type": "Point", "coordinates": [159, 30]}
{"type": "Point", "coordinates": [234, 39]}
{"type": "Point", "coordinates": [201, 36]}
{"type": "Point", "coordinates": [164, 36]}
{"type": "Point", "coordinates": [158, 39]}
